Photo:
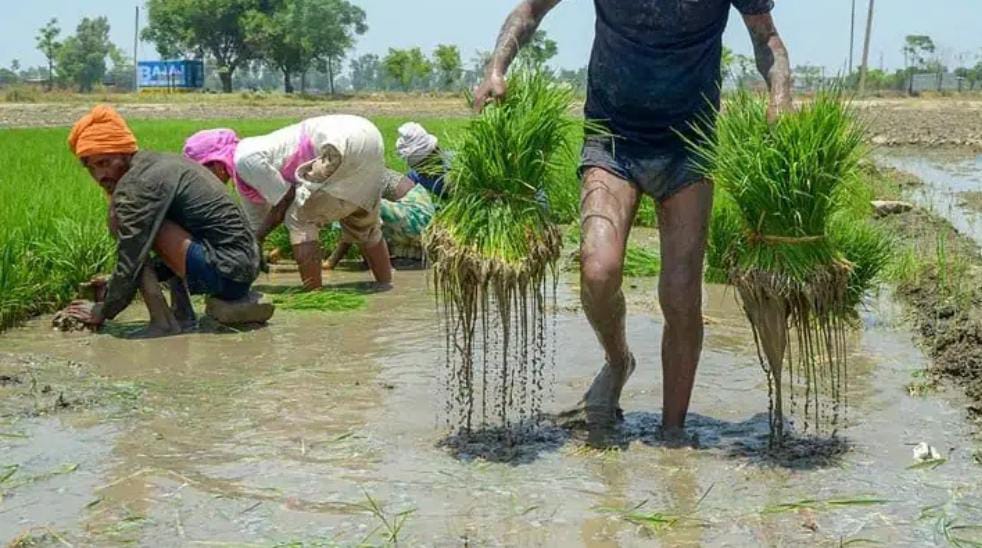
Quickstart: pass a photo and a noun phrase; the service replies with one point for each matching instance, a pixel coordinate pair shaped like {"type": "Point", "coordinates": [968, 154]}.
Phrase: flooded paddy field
{"type": "Point", "coordinates": [952, 184]}
{"type": "Point", "coordinates": [328, 429]}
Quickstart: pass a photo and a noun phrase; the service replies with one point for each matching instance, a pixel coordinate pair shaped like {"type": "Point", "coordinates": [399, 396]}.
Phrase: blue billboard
{"type": "Point", "coordinates": [177, 74]}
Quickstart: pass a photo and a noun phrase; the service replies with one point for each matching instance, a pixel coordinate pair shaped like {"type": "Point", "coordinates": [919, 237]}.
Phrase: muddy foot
{"type": "Point", "coordinates": [156, 332]}
{"type": "Point", "coordinates": [600, 408]}
{"type": "Point", "coordinates": [678, 438]}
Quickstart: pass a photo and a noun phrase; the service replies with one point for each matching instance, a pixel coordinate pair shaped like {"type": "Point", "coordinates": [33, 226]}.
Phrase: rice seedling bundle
{"type": "Point", "coordinates": [493, 248]}
{"type": "Point", "coordinates": [787, 233]}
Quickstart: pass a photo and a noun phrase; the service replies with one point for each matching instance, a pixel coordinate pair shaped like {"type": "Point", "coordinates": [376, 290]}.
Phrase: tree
{"type": "Point", "coordinates": [366, 72]}
{"type": "Point", "coordinates": [540, 49]}
{"type": "Point", "coordinates": [15, 65]}
{"type": "Point", "coordinates": [48, 44]}
{"type": "Point", "coordinates": [82, 57]}
{"type": "Point", "coordinates": [726, 64]}
{"type": "Point", "coordinates": [917, 51]}
{"type": "Point", "coordinates": [121, 74]}
{"type": "Point", "coordinates": [577, 79]}
{"type": "Point", "coordinates": [303, 34]}
{"type": "Point", "coordinates": [449, 65]}
{"type": "Point", "coordinates": [971, 75]}
{"type": "Point", "coordinates": [745, 69]}
{"type": "Point", "coordinates": [810, 76]}
{"type": "Point", "coordinates": [199, 28]}
{"type": "Point", "coordinates": [407, 67]}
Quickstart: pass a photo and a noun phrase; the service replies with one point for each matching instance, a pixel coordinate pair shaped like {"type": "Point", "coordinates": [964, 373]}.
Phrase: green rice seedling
{"type": "Point", "coordinates": [789, 235]}
{"type": "Point", "coordinates": [641, 263]}
{"type": "Point", "coordinates": [825, 504]}
{"type": "Point", "coordinates": [493, 246]}
{"type": "Point", "coordinates": [325, 300]}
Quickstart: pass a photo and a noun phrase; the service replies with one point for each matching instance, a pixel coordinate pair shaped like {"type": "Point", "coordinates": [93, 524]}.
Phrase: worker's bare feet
{"type": "Point", "coordinates": [678, 438]}
{"type": "Point", "coordinates": [600, 406]}
{"type": "Point", "coordinates": [154, 331]}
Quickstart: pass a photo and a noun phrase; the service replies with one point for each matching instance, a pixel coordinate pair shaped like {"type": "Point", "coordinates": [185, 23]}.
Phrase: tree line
{"type": "Point", "coordinates": [269, 44]}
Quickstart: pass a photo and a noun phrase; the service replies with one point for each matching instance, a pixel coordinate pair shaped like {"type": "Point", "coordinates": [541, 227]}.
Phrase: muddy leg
{"type": "Point", "coordinates": [683, 222]}
{"type": "Point", "coordinates": [608, 207]}
{"type": "Point", "coordinates": [180, 304]}
{"type": "Point", "coordinates": [162, 320]}
{"type": "Point", "coordinates": [308, 256]}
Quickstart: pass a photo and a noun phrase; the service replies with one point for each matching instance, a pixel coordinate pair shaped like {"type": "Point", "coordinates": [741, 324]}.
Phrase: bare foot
{"type": "Point", "coordinates": [157, 331]}
{"type": "Point", "coordinates": [600, 406]}
{"type": "Point", "coordinates": [678, 438]}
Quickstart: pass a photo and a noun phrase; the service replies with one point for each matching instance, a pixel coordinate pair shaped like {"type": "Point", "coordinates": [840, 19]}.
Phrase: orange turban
{"type": "Point", "coordinates": [101, 131]}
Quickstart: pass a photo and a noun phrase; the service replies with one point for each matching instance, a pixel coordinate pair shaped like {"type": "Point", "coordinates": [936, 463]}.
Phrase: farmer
{"type": "Point", "coordinates": [307, 176]}
{"type": "Point", "coordinates": [408, 202]}
{"type": "Point", "coordinates": [178, 210]}
{"type": "Point", "coordinates": [654, 73]}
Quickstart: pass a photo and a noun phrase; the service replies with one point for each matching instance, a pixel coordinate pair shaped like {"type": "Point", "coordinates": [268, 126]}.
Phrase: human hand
{"type": "Point", "coordinates": [493, 87]}
{"type": "Point", "coordinates": [87, 312]}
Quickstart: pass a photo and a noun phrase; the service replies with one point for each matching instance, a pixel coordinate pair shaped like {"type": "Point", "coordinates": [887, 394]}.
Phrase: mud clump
{"type": "Point", "coordinates": [32, 386]}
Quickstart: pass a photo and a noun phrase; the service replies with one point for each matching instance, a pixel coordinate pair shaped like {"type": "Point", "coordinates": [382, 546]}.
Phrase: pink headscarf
{"type": "Point", "coordinates": [218, 145]}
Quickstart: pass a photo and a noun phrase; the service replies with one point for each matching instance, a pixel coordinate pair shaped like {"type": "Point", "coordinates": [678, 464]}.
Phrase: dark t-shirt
{"type": "Point", "coordinates": [161, 187]}
{"type": "Point", "coordinates": [655, 65]}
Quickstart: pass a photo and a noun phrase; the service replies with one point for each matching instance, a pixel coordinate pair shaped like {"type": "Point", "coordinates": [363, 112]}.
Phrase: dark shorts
{"type": "Point", "coordinates": [659, 172]}
{"type": "Point", "coordinates": [202, 278]}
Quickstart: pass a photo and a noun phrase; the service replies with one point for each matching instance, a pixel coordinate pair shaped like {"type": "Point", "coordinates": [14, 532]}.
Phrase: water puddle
{"type": "Point", "coordinates": [328, 428]}
{"type": "Point", "coordinates": [951, 180]}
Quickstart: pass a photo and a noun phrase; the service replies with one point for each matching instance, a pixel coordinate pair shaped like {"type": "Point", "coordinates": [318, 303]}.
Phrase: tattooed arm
{"type": "Point", "coordinates": [772, 62]}
{"type": "Point", "coordinates": [516, 32]}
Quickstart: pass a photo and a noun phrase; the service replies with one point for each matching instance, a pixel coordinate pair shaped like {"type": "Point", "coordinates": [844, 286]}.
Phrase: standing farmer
{"type": "Point", "coordinates": [654, 72]}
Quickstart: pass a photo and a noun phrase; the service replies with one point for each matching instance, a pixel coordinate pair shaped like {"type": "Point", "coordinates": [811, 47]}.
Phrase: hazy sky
{"type": "Point", "coordinates": [816, 31]}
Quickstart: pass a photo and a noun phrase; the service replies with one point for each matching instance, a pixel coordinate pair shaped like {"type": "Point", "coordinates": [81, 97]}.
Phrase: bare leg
{"type": "Point", "coordinates": [308, 256]}
{"type": "Point", "coordinates": [171, 244]}
{"type": "Point", "coordinates": [162, 320]}
{"type": "Point", "coordinates": [683, 221]}
{"type": "Point", "coordinates": [180, 303]}
{"type": "Point", "coordinates": [378, 260]}
{"type": "Point", "coordinates": [608, 206]}
{"type": "Point", "coordinates": [339, 253]}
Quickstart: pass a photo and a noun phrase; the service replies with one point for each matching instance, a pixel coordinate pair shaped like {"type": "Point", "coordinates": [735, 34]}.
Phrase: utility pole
{"type": "Point", "coordinates": [852, 36]}
{"type": "Point", "coordinates": [136, 46]}
{"type": "Point", "coordinates": [869, 34]}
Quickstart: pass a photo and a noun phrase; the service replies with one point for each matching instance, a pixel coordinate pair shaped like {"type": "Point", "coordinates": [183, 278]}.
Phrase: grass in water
{"type": "Point", "coordinates": [790, 233]}
{"type": "Point", "coordinates": [494, 247]}
{"type": "Point", "coordinates": [325, 300]}
{"type": "Point", "coordinates": [826, 504]}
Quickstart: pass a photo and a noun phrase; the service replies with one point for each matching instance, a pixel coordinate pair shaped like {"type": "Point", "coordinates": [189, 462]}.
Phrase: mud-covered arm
{"type": "Point", "coordinates": [772, 62]}
{"type": "Point", "coordinates": [518, 29]}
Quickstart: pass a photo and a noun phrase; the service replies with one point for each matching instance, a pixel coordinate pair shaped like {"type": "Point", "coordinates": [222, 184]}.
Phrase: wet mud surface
{"type": "Point", "coordinates": [323, 428]}
{"type": "Point", "coordinates": [945, 303]}
{"type": "Point", "coordinates": [945, 122]}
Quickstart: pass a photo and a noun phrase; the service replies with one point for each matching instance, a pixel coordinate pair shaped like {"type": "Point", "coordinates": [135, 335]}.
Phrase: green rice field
{"type": "Point", "coordinates": [53, 235]}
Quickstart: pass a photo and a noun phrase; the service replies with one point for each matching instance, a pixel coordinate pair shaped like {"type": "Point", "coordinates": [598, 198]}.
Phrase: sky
{"type": "Point", "coordinates": [816, 31]}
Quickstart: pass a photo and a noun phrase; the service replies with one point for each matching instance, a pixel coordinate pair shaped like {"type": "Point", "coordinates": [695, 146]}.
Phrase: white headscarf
{"type": "Point", "coordinates": [414, 143]}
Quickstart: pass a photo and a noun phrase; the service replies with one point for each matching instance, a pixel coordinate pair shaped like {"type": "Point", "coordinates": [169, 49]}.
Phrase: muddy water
{"type": "Point", "coordinates": [947, 176]}
{"type": "Point", "coordinates": [280, 435]}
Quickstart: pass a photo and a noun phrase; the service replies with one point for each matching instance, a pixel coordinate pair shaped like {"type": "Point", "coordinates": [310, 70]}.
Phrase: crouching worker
{"type": "Point", "coordinates": [177, 209]}
{"type": "Point", "coordinates": [409, 201]}
{"type": "Point", "coordinates": [307, 176]}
